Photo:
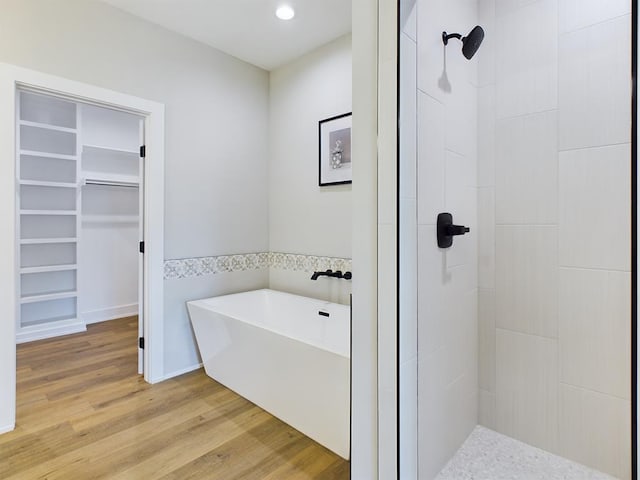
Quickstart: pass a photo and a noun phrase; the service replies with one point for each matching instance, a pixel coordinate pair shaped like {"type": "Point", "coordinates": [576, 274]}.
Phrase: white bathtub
{"type": "Point", "coordinates": [278, 351]}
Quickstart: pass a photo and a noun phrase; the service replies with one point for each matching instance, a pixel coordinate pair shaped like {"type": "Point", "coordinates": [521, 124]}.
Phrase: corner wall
{"type": "Point", "coordinates": [554, 206]}
{"type": "Point", "coordinates": [439, 165]}
{"type": "Point", "coordinates": [306, 219]}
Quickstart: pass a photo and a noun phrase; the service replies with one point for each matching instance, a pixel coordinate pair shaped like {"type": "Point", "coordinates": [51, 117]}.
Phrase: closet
{"type": "Point", "coordinates": [79, 218]}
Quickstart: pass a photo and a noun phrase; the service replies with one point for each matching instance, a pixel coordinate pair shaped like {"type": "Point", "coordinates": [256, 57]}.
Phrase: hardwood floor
{"type": "Point", "coordinates": [85, 413]}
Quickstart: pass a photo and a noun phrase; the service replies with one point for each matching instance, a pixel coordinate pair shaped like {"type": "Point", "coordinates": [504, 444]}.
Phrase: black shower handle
{"type": "Point", "coordinates": [453, 230]}
{"type": "Point", "coordinates": [446, 230]}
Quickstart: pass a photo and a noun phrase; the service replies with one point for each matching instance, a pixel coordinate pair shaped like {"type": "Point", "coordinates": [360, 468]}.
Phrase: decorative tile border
{"type": "Point", "coordinates": [197, 267]}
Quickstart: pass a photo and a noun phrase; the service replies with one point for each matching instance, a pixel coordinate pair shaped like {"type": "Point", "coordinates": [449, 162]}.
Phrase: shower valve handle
{"type": "Point", "coordinates": [453, 230]}
{"type": "Point", "coordinates": [446, 230]}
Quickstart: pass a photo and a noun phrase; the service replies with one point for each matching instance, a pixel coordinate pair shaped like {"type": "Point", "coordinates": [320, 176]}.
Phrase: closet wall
{"type": "Point", "coordinates": [78, 168]}
{"type": "Point", "coordinates": [110, 222]}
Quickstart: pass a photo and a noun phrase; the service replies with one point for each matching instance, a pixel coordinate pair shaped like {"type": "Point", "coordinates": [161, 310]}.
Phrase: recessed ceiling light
{"type": "Point", "coordinates": [285, 12]}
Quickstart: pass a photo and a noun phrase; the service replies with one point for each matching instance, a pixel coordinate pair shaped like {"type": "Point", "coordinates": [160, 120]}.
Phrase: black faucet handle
{"type": "Point", "coordinates": [337, 274]}
{"type": "Point", "coordinates": [347, 275]}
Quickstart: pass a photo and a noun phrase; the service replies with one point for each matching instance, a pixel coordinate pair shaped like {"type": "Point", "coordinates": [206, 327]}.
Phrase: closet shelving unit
{"type": "Point", "coordinates": [48, 202]}
{"type": "Point", "coordinates": [77, 165]}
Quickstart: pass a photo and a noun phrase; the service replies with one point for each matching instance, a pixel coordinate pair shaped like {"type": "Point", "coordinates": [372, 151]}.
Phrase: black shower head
{"type": "Point", "coordinates": [470, 44]}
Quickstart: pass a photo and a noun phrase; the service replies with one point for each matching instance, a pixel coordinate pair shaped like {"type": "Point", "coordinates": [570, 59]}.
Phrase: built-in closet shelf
{"type": "Point", "coordinates": [60, 156]}
{"type": "Point", "coordinates": [49, 268]}
{"type": "Point", "coordinates": [38, 183]}
{"type": "Point", "coordinates": [44, 241]}
{"type": "Point", "coordinates": [48, 296]}
{"type": "Point", "coordinates": [49, 212]}
{"type": "Point", "coordinates": [48, 126]}
{"type": "Point", "coordinates": [110, 218]}
{"type": "Point", "coordinates": [110, 179]}
{"type": "Point", "coordinates": [53, 327]}
{"type": "Point", "coordinates": [111, 149]}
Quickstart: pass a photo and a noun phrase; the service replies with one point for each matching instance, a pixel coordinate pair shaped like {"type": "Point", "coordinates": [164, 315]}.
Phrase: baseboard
{"type": "Point", "coordinates": [7, 428]}
{"type": "Point", "coordinates": [105, 314]}
{"type": "Point", "coordinates": [182, 371]}
{"type": "Point", "coordinates": [54, 329]}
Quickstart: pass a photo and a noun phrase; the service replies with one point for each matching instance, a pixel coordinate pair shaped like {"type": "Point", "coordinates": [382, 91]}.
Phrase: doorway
{"type": "Point", "coordinates": [151, 202]}
{"type": "Point", "coordinates": [80, 207]}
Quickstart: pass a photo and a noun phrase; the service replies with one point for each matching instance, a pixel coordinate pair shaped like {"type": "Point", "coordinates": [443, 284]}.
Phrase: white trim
{"type": "Point", "coordinates": [12, 77]}
{"type": "Point", "coordinates": [387, 239]}
{"type": "Point", "coordinates": [637, 280]}
{"type": "Point", "coordinates": [111, 313]}
{"type": "Point", "coordinates": [7, 428]}
{"type": "Point", "coordinates": [364, 338]}
{"type": "Point", "coordinates": [182, 371]}
{"type": "Point", "coordinates": [54, 329]}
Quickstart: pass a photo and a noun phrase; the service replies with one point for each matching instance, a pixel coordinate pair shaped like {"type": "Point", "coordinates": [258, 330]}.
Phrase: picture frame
{"type": "Point", "coordinates": [334, 146]}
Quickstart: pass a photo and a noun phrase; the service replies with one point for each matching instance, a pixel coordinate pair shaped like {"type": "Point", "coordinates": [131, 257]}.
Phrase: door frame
{"type": "Point", "coordinates": [12, 78]}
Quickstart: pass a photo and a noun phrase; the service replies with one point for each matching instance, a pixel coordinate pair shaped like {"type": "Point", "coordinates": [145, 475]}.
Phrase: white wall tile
{"type": "Point", "coordinates": [461, 200]}
{"type": "Point", "coordinates": [446, 304]}
{"type": "Point", "coordinates": [595, 85]}
{"type": "Point", "coordinates": [433, 278]}
{"type": "Point", "coordinates": [595, 430]}
{"type": "Point", "coordinates": [527, 279]}
{"type": "Point", "coordinates": [526, 57]}
{"type": "Point", "coordinates": [527, 169]}
{"type": "Point", "coordinates": [408, 291]}
{"type": "Point", "coordinates": [527, 388]}
{"type": "Point", "coordinates": [447, 295]}
{"type": "Point", "coordinates": [595, 313]}
{"type": "Point", "coordinates": [442, 71]}
{"type": "Point", "coordinates": [486, 238]}
{"type": "Point", "coordinates": [408, 118]}
{"type": "Point", "coordinates": [486, 56]}
{"type": "Point", "coordinates": [461, 122]}
{"type": "Point", "coordinates": [431, 159]}
{"type": "Point", "coordinates": [486, 340]}
{"type": "Point", "coordinates": [594, 225]}
{"type": "Point", "coordinates": [576, 14]}
{"type": "Point", "coordinates": [486, 136]}
{"type": "Point", "coordinates": [487, 409]}
{"type": "Point", "coordinates": [408, 18]}
{"type": "Point", "coordinates": [506, 6]}
{"type": "Point", "coordinates": [446, 414]}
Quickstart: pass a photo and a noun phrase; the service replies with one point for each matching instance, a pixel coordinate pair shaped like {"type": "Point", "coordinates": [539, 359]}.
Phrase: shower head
{"type": "Point", "coordinates": [470, 44]}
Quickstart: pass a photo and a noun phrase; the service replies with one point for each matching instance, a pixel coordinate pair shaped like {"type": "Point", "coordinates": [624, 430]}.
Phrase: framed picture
{"type": "Point", "coordinates": [335, 150]}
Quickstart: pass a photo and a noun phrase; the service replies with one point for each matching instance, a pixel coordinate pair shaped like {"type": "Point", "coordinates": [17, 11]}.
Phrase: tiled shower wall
{"type": "Point", "coordinates": [554, 215]}
{"type": "Point", "coordinates": [438, 174]}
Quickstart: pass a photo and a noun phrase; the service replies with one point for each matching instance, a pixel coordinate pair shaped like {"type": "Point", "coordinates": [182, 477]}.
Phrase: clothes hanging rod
{"type": "Point", "coordinates": [107, 183]}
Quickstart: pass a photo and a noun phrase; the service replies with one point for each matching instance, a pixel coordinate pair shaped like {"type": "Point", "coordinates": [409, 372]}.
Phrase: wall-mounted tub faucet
{"type": "Point", "coordinates": [331, 273]}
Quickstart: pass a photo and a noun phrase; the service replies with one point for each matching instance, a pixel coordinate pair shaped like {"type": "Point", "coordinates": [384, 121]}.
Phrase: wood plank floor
{"type": "Point", "coordinates": [84, 413]}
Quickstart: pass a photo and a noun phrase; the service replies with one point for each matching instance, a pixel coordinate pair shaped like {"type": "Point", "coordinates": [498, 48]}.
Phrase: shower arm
{"type": "Point", "coordinates": [446, 37]}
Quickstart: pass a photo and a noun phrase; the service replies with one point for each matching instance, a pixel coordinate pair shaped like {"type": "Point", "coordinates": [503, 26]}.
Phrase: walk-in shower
{"type": "Point", "coordinates": [515, 336]}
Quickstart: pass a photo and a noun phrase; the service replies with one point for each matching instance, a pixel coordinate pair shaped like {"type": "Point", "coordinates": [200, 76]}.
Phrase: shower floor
{"type": "Point", "coordinates": [488, 455]}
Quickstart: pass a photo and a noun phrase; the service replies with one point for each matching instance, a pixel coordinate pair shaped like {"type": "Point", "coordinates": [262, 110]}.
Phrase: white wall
{"type": "Point", "coordinates": [554, 166]}
{"type": "Point", "coordinates": [438, 174]}
{"type": "Point", "coordinates": [216, 126]}
{"type": "Point", "coordinates": [303, 217]}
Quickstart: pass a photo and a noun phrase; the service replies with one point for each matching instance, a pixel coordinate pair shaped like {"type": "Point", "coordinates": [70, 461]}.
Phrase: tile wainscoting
{"type": "Point", "coordinates": [200, 266]}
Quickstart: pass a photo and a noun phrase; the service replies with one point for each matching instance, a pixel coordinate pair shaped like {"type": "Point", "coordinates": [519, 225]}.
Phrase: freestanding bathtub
{"type": "Point", "coordinates": [286, 353]}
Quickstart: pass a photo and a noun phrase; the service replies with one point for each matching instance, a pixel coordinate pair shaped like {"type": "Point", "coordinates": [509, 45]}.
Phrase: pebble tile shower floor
{"type": "Point", "coordinates": [488, 455]}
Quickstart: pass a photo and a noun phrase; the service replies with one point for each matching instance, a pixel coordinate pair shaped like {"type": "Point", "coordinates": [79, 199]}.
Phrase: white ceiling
{"type": "Point", "coordinates": [249, 29]}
